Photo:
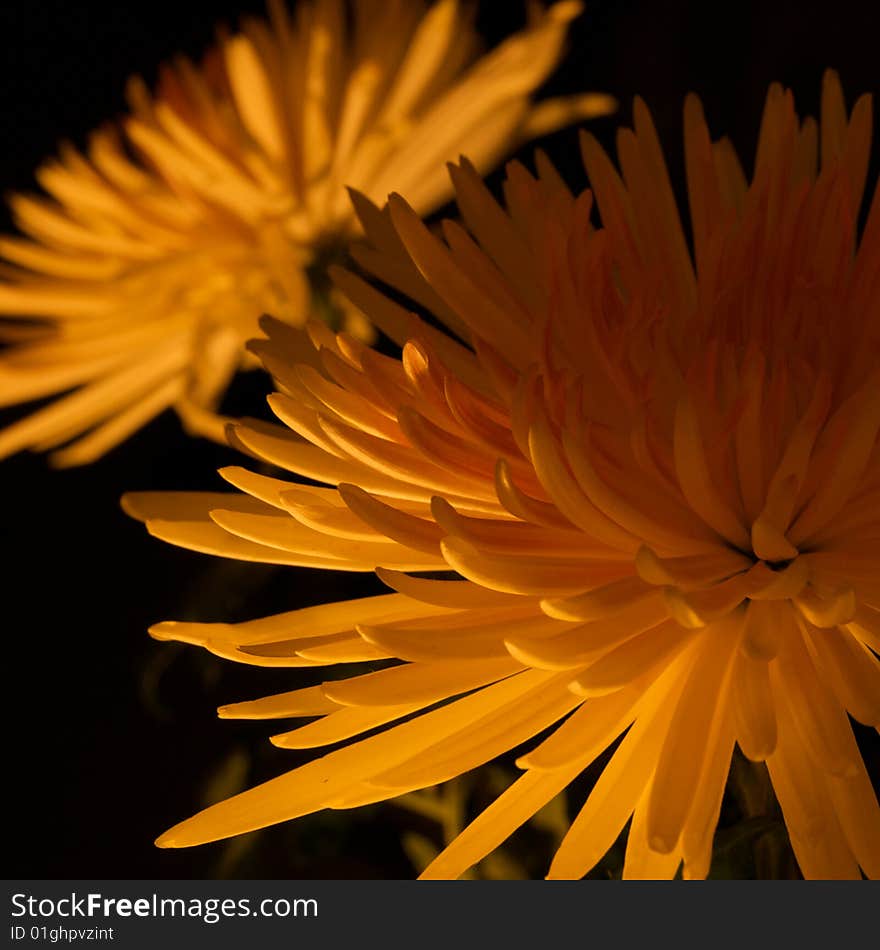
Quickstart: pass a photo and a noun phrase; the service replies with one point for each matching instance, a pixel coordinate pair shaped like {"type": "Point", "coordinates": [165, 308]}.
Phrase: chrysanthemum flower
{"type": "Point", "coordinates": [223, 196]}
{"type": "Point", "coordinates": [657, 477]}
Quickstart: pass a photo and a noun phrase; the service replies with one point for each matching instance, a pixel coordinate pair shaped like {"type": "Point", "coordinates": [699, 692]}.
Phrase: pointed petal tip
{"type": "Point", "coordinates": [130, 504]}
{"type": "Point", "coordinates": [603, 103]}
{"type": "Point", "coordinates": [350, 490]}
{"type": "Point", "coordinates": [694, 116]}
{"type": "Point", "coordinates": [515, 650]}
{"type": "Point", "coordinates": [256, 347]}
{"type": "Point", "coordinates": [168, 839]}
{"type": "Point", "coordinates": [281, 741]}
{"type": "Point", "coordinates": [367, 633]}
{"type": "Point", "coordinates": [523, 651]}
{"type": "Point", "coordinates": [164, 630]}
{"type": "Point", "coordinates": [661, 844]}
{"type": "Point", "coordinates": [400, 209]}
{"type": "Point", "coordinates": [276, 400]}
{"type": "Point", "coordinates": [387, 575]}
{"type": "Point", "coordinates": [226, 472]}
{"type": "Point", "coordinates": [555, 607]}
{"type": "Point", "coordinates": [830, 76]}
{"type": "Point", "coordinates": [69, 458]}
{"type": "Point", "coordinates": [270, 324]}
{"type": "Point", "coordinates": [681, 610]}
{"type": "Point", "coordinates": [565, 11]}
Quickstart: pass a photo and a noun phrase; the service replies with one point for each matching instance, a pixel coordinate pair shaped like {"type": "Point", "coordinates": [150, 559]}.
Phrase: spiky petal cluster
{"type": "Point", "coordinates": [154, 253]}
{"type": "Point", "coordinates": [658, 480]}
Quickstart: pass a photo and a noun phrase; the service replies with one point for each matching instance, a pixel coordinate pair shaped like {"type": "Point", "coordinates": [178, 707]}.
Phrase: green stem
{"type": "Point", "coordinates": [771, 849]}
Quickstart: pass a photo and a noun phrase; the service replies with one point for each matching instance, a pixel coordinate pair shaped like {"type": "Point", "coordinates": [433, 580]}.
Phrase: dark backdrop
{"type": "Point", "coordinates": [111, 736]}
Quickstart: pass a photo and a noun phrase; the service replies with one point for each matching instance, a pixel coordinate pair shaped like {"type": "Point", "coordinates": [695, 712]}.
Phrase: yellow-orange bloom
{"type": "Point", "coordinates": [222, 196]}
{"type": "Point", "coordinates": [657, 478]}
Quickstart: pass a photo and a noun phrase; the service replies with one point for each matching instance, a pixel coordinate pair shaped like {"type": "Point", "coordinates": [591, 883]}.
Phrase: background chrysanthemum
{"type": "Point", "coordinates": [222, 196]}
{"type": "Point", "coordinates": [656, 478]}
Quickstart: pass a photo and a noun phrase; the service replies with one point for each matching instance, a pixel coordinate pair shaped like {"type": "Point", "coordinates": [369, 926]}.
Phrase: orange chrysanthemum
{"type": "Point", "coordinates": [222, 197]}
{"type": "Point", "coordinates": [658, 478]}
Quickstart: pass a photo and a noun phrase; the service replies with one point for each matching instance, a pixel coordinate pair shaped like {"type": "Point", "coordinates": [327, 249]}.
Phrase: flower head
{"type": "Point", "coordinates": [656, 477]}
{"type": "Point", "coordinates": [223, 196]}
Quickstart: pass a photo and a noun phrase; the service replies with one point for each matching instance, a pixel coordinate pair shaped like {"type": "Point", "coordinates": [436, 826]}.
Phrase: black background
{"type": "Point", "coordinates": [111, 737]}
